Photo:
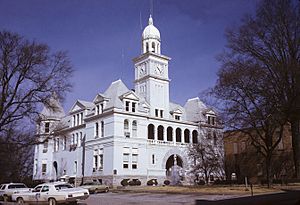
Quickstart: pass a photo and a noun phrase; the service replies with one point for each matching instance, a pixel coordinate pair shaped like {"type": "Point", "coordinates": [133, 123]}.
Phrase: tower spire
{"type": "Point", "coordinates": [150, 22]}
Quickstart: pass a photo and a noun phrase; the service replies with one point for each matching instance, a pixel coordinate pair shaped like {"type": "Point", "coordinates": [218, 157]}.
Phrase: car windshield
{"type": "Point", "coordinates": [3, 187]}
{"type": "Point", "coordinates": [63, 186]}
{"type": "Point", "coordinates": [88, 183]}
{"type": "Point", "coordinates": [16, 186]}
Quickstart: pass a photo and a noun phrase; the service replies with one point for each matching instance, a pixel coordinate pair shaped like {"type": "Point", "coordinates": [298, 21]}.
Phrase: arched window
{"type": "Point", "coordinates": [195, 136]}
{"type": "Point", "coordinates": [215, 138]}
{"type": "Point", "coordinates": [170, 134]}
{"type": "Point", "coordinates": [147, 47]}
{"type": "Point", "coordinates": [126, 128]}
{"type": "Point", "coordinates": [151, 131]}
{"type": "Point", "coordinates": [186, 136]}
{"type": "Point", "coordinates": [153, 47]}
{"type": "Point", "coordinates": [178, 135]}
{"type": "Point", "coordinates": [160, 132]}
{"type": "Point", "coordinates": [102, 129]}
{"type": "Point", "coordinates": [134, 128]}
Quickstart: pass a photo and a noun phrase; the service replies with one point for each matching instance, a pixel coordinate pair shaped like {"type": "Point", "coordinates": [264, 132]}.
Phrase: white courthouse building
{"type": "Point", "coordinates": [124, 133]}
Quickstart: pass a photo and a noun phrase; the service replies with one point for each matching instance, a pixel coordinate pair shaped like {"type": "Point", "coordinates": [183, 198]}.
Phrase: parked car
{"type": "Point", "coordinates": [95, 187]}
{"type": "Point", "coordinates": [52, 193]}
{"type": "Point", "coordinates": [6, 190]}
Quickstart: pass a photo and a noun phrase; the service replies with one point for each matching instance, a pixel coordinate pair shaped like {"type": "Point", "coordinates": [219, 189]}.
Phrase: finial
{"type": "Point", "coordinates": [150, 22]}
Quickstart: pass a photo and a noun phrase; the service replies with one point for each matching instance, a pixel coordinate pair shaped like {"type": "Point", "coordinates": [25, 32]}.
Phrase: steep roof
{"type": "Point", "coordinates": [113, 92]}
{"type": "Point", "coordinates": [195, 110]}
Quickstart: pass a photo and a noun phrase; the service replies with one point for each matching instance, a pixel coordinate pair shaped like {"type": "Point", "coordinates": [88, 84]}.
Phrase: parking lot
{"type": "Point", "coordinates": [147, 199]}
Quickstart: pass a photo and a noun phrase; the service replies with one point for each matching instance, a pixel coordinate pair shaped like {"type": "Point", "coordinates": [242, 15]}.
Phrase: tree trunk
{"type": "Point", "coordinates": [268, 170]}
{"type": "Point", "coordinates": [295, 126]}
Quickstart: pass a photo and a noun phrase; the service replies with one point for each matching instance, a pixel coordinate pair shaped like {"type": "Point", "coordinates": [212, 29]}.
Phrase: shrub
{"type": "Point", "coordinates": [124, 182]}
{"type": "Point", "coordinates": [134, 182]}
{"type": "Point", "coordinates": [201, 182]}
{"type": "Point", "coordinates": [167, 182]}
{"type": "Point", "coordinates": [152, 182]}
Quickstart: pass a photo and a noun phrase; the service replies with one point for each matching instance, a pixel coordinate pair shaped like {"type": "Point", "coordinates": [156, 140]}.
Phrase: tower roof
{"type": "Point", "coordinates": [151, 31]}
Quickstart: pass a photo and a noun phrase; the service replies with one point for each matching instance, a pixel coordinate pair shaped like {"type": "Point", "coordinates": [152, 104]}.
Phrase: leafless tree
{"type": "Point", "coordinates": [29, 75]}
{"type": "Point", "coordinates": [207, 157]}
{"type": "Point", "coordinates": [259, 78]}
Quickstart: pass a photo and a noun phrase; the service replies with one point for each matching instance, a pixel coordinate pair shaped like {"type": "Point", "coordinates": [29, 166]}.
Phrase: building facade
{"type": "Point", "coordinates": [242, 159]}
{"type": "Point", "coordinates": [123, 133]}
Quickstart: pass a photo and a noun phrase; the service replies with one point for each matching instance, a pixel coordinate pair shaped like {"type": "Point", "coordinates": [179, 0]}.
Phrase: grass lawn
{"type": "Point", "coordinates": [214, 190]}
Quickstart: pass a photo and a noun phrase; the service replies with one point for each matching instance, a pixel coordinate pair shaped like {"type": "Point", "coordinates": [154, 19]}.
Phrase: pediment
{"type": "Point", "coordinates": [177, 111]}
{"type": "Point", "coordinates": [77, 106]}
{"type": "Point", "coordinates": [99, 98]}
{"type": "Point", "coordinates": [210, 112]}
{"type": "Point", "coordinates": [130, 96]}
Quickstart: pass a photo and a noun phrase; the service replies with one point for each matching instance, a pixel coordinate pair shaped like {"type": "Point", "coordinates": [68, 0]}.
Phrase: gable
{"type": "Point", "coordinates": [99, 98]}
{"type": "Point", "coordinates": [130, 96]}
{"type": "Point", "coordinates": [77, 106]}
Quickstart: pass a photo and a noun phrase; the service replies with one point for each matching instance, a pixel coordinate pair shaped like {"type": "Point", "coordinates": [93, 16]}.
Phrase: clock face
{"type": "Point", "coordinates": [159, 69]}
{"type": "Point", "coordinates": [142, 70]}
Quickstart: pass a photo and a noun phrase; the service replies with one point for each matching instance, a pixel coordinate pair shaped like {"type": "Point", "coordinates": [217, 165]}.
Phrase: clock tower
{"type": "Point", "coordinates": [151, 72]}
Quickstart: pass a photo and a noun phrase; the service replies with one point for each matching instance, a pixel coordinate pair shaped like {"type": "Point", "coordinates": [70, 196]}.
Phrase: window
{"type": "Point", "coordinates": [76, 139]}
{"type": "Point", "coordinates": [47, 127]}
{"type": "Point", "coordinates": [80, 140]}
{"type": "Point", "coordinates": [134, 158]}
{"type": "Point", "coordinates": [160, 132]}
{"type": "Point", "coordinates": [96, 129]}
{"type": "Point", "coordinates": [45, 148]}
{"type": "Point", "coordinates": [147, 47]}
{"type": "Point", "coordinates": [215, 138]}
{"type": "Point", "coordinates": [102, 107]}
{"type": "Point", "coordinates": [102, 129]}
{"type": "Point", "coordinates": [126, 128]}
{"type": "Point", "coordinates": [81, 118]}
{"type": "Point", "coordinates": [44, 168]}
{"type": "Point", "coordinates": [195, 136]}
{"type": "Point", "coordinates": [153, 159]}
{"type": "Point", "coordinates": [186, 136]}
{"type": "Point", "coordinates": [127, 105]}
{"type": "Point", "coordinates": [211, 120]}
{"type": "Point", "coordinates": [178, 135]}
{"type": "Point", "coordinates": [97, 109]}
{"type": "Point", "coordinates": [156, 112]}
{"type": "Point", "coordinates": [64, 143]}
{"type": "Point", "coordinates": [169, 134]}
{"type": "Point", "coordinates": [100, 152]}
{"type": "Point", "coordinates": [125, 160]}
{"type": "Point", "coordinates": [95, 160]}
{"type": "Point", "coordinates": [177, 117]}
{"type": "Point", "coordinates": [74, 120]}
{"type": "Point", "coordinates": [45, 188]}
{"type": "Point", "coordinates": [151, 131]}
{"type": "Point", "coordinates": [77, 116]}
{"type": "Point", "coordinates": [133, 107]}
{"type": "Point", "coordinates": [243, 146]}
{"type": "Point", "coordinates": [75, 167]}
{"type": "Point", "coordinates": [153, 47]}
{"type": "Point", "coordinates": [161, 113]}
{"type": "Point", "coordinates": [134, 128]}
{"type": "Point", "coordinates": [126, 157]}
{"type": "Point", "coordinates": [56, 144]}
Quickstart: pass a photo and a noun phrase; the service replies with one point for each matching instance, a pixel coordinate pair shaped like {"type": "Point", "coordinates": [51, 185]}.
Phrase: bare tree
{"type": "Point", "coordinates": [29, 75]}
{"type": "Point", "coordinates": [259, 79]}
{"type": "Point", "coordinates": [208, 157]}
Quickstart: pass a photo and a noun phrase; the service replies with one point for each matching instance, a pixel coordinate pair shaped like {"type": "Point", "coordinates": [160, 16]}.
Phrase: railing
{"type": "Point", "coordinates": [167, 143]}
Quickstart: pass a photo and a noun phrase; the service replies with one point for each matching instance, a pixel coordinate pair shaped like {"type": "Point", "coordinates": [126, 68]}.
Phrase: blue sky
{"type": "Point", "coordinates": [103, 36]}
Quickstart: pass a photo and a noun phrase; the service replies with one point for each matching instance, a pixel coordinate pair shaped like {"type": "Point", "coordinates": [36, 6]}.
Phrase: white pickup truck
{"type": "Point", "coordinates": [52, 193]}
{"type": "Point", "coordinates": [6, 190]}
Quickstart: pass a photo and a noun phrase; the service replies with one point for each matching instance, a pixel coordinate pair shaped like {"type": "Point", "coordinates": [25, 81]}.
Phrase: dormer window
{"type": "Point", "coordinates": [211, 120]}
{"type": "Point", "coordinates": [177, 117]}
{"type": "Point", "coordinates": [47, 127]}
{"type": "Point", "coordinates": [127, 103]}
{"type": "Point", "coordinates": [133, 107]}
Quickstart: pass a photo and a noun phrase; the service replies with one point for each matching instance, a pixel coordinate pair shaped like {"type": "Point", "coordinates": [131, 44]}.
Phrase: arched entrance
{"type": "Point", "coordinates": [174, 169]}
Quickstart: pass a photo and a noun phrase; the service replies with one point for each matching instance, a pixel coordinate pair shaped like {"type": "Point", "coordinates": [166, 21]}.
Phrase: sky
{"type": "Point", "coordinates": [103, 36]}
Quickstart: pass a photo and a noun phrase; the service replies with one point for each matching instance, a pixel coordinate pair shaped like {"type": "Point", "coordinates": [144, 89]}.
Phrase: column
{"type": "Point", "coordinates": [174, 135]}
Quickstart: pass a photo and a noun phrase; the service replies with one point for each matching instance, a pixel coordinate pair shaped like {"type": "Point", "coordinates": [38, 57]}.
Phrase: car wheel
{"type": "Point", "coordinates": [52, 201]}
{"type": "Point", "coordinates": [106, 190]}
{"type": "Point", "coordinates": [5, 198]}
{"type": "Point", "coordinates": [20, 200]}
